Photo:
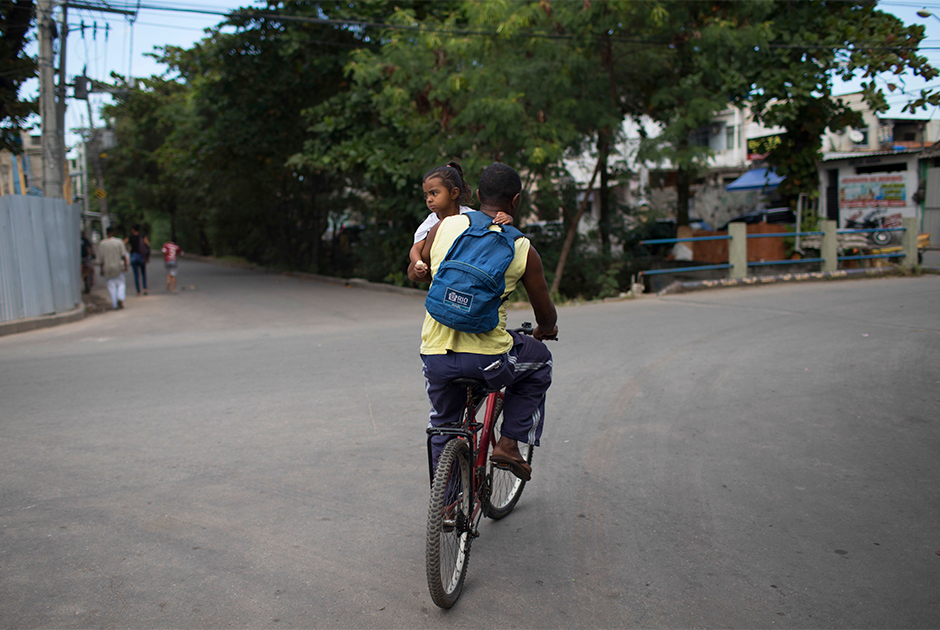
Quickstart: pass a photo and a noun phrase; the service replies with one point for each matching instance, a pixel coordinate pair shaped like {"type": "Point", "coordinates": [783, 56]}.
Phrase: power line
{"type": "Point", "coordinates": [256, 13]}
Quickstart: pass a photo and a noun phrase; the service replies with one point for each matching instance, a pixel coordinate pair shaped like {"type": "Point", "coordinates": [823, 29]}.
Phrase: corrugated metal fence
{"type": "Point", "coordinates": [931, 224]}
{"type": "Point", "coordinates": [40, 256]}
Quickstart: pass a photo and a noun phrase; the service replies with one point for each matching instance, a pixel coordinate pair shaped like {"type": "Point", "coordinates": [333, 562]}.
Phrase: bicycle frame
{"type": "Point", "coordinates": [480, 438]}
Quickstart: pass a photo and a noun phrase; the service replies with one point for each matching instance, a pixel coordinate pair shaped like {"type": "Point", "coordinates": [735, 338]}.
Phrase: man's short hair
{"type": "Point", "coordinates": [499, 183]}
{"type": "Point", "coordinates": [109, 232]}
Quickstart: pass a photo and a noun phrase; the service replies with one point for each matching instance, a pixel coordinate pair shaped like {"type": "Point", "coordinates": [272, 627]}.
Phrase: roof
{"type": "Point", "coordinates": [931, 151]}
{"type": "Point", "coordinates": [756, 179]}
{"type": "Point", "coordinates": [847, 155]}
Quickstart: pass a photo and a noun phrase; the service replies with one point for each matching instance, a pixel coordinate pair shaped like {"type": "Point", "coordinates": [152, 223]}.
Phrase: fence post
{"type": "Point", "coordinates": [737, 249]}
{"type": "Point", "coordinates": [909, 242]}
{"type": "Point", "coordinates": [830, 246]}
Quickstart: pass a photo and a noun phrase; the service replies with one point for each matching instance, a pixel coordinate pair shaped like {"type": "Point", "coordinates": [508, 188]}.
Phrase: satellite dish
{"type": "Point", "coordinates": [856, 136]}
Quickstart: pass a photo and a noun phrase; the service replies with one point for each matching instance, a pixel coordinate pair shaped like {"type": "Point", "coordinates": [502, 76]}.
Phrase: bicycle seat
{"type": "Point", "coordinates": [468, 382]}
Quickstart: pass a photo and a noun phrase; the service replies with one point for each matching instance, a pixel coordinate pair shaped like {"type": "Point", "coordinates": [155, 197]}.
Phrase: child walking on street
{"type": "Point", "coordinates": [170, 253]}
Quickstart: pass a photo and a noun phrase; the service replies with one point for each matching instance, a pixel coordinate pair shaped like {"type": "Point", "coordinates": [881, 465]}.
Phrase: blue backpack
{"type": "Point", "coordinates": [467, 289]}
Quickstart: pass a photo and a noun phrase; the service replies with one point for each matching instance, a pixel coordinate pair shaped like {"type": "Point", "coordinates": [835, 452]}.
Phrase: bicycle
{"type": "Point", "coordinates": [467, 486]}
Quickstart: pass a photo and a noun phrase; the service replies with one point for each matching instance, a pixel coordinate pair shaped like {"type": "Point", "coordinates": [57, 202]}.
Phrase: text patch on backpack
{"type": "Point", "coordinates": [458, 299]}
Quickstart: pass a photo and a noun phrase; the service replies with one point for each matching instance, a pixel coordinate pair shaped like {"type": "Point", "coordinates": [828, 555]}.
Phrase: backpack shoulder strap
{"type": "Point", "coordinates": [482, 220]}
{"type": "Point", "coordinates": [512, 232]}
{"type": "Point", "coordinates": [478, 219]}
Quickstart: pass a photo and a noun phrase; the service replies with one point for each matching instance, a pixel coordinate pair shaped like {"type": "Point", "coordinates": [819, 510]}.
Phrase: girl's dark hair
{"type": "Point", "coordinates": [452, 176]}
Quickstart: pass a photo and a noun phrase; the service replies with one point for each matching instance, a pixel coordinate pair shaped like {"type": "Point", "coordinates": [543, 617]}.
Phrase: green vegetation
{"type": "Point", "coordinates": [298, 139]}
{"type": "Point", "coordinates": [16, 17]}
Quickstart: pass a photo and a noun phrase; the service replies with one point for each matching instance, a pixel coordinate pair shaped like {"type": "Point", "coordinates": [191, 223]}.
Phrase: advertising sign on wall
{"type": "Point", "coordinates": [873, 191]}
{"type": "Point", "coordinates": [758, 148]}
{"type": "Point", "coordinates": [880, 198]}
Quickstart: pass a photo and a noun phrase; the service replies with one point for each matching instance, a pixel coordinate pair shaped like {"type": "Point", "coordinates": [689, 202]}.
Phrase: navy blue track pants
{"type": "Point", "coordinates": [525, 371]}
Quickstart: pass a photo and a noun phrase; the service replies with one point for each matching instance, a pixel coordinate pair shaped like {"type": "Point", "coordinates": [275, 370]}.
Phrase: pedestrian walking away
{"type": "Point", "coordinates": [171, 251]}
{"type": "Point", "coordinates": [139, 246]}
{"type": "Point", "coordinates": [114, 260]}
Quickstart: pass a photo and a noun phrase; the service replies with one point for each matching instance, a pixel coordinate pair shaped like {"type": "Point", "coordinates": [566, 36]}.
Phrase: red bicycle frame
{"type": "Point", "coordinates": [480, 437]}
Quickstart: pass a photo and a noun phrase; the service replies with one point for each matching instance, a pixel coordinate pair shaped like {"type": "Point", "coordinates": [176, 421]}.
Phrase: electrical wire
{"type": "Point", "coordinates": [263, 14]}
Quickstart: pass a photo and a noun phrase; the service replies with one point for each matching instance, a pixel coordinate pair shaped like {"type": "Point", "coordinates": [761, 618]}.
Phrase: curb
{"type": "Point", "coordinates": [358, 283]}
{"type": "Point", "coordinates": [812, 276]}
{"type": "Point", "coordinates": [43, 321]}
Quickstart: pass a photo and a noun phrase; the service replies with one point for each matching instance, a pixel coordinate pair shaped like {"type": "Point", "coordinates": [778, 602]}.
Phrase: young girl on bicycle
{"type": "Point", "coordinates": [444, 192]}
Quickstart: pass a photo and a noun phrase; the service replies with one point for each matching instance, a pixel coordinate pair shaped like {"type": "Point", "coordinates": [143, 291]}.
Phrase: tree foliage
{"type": "Point", "coordinates": [810, 44]}
{"type": "Point", "coordinates": [312, 115]}
{"type": "Point", "coordinates": [16, 17]}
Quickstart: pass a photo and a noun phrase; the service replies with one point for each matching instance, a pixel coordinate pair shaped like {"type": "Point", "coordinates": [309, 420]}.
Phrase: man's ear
{"type": "Point", "coordinates": [515, 201]}
{"type": "Point", "coordinates": [478, 196]}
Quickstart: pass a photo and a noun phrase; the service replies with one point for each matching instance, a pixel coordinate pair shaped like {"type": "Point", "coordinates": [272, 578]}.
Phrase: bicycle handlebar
{"type": "Point", "coordinates": [528, 329]}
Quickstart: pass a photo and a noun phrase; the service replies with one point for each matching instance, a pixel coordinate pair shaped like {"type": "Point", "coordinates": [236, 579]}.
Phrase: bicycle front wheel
{"type": "Point", "coordinates": [448, 542]}
{"type": "Point", "coordinates": [503, 488]}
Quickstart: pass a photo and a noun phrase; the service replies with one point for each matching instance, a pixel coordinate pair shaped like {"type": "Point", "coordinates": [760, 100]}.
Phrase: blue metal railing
{"type": "Point", "coordinates": [785, 234]}
{"type": "Point", "coordinates": [871, 256]}
{"type": "Point", "coordinates": [764, 263]}
{"type": "Point", "coordinates": [869, 230]}
{"type": "Point", "coordinates": [653, 272]}
{"type": "Point", "coordinates": [663, 241]}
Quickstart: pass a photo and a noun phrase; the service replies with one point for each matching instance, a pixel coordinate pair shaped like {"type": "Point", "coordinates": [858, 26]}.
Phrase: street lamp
{"type": "Point", "coordinates": [924, 13]}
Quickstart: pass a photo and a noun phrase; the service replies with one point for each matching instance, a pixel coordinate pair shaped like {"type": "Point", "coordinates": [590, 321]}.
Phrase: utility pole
{"type": "Point", "coordinates": [53, 136]}
{"type": "Point", "coordinates": [95, 147]}
{"type": "Point", "coordinates": [61, 97]}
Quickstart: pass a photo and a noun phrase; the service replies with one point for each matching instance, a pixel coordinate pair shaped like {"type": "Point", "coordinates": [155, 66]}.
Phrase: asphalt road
{"type": "Point", "coordinates": [249, 453]}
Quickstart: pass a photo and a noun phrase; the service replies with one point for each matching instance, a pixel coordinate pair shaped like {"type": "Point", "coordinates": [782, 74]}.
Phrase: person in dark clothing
{"type": "Point", "coordinates": [139, 246]}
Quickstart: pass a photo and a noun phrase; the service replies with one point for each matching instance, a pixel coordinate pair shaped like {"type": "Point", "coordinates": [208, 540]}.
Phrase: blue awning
{"type": "Point", "coordinates": [756, 179]}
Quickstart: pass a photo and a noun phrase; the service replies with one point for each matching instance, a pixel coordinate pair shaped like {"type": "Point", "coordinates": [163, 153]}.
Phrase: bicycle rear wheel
{"type": "Point", "coordinates": [503, 488]}
{"type": "Point", "coordinates": [448, 532]}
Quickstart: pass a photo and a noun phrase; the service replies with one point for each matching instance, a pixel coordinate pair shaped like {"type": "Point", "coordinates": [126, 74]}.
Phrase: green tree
{"type": "Point", "coordinates": [250, 88]}
{"type": "Point", "coordinates": [812, 43]}
{"type": "Point", "coordinates": [705, 61]}
{"type": "Point", "coordinates": [521, 83]}
{"type": "Point", "coordinates": [143, 189]}
{"type": "Point", "coordinates": [16, 16]}
{"type": "Point", "coordinates": [209, 148]}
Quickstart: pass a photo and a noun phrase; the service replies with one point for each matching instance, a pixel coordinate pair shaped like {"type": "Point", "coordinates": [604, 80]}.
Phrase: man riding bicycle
{"type": "Point", "coordinates": [521, 364]}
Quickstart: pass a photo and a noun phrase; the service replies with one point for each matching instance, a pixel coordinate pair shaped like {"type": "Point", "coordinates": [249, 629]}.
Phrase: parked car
{"type": "Point", "coordinates": [770, 215]}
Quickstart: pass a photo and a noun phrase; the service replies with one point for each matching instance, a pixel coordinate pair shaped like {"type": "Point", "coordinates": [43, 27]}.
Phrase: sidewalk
{"type": "Point", "coordinates": [44, 321]}
{"type": "Point", "coordinates": [97, 301]}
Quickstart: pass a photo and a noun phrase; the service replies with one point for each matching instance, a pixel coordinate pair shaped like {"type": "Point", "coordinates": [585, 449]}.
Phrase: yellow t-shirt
{"type": "Point", "coordinates": [436, 338]}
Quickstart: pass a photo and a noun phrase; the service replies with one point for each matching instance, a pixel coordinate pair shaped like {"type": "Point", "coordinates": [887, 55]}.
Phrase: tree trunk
{"type": "Point", "coordinates": [572, 232]}
{"type": "Point", "coordinates": [683, 187]}
{"type": "Point", "coordinates": [603, 220]}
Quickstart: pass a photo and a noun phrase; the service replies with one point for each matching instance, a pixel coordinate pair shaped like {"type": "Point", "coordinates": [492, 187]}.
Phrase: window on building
{"type": "Point", "coordinates": [699, 137]}
{"type": "Point", "coordinates": [729, 137]}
